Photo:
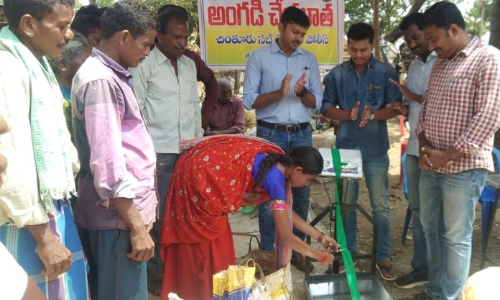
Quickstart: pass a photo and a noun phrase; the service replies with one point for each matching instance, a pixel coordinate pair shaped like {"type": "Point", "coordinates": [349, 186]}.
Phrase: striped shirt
{"type": "Point", "coordinates": [461, 107]}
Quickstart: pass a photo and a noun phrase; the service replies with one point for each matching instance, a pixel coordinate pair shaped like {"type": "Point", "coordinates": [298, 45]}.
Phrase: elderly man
{"type": "Point", "coordinates": [228, 115]}
{"type": "Point", "coordinates": [36, 222]}
{"type": "Point", "coordinates": [65, 67]}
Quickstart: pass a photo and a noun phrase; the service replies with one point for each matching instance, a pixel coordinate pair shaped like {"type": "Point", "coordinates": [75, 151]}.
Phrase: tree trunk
{"type": "Point", "coordinates": [495, 25]}
{"type": "Point", "coordinates": [495, 41]}
{"type": "Point", "coordinates": [376, 28]}
{"type": "Point", "coordinates": [396, 33]}
{"type": "Point", "coordinates": [93, 2]}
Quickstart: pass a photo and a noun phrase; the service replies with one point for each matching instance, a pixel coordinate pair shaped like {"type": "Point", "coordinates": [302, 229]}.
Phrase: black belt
{"type": "Point", "coordinates": [287, 128]}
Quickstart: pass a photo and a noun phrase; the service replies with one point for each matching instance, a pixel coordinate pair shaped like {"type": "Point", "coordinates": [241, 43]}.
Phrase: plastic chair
{"type": "Point", "coordinates": [487, 199]}
{"type": "Point", "coordinates": [408, 210]}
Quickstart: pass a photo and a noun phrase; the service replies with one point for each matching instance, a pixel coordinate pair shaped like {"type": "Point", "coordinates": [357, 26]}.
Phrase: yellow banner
{"type": "Point", "coordinates": [231, 29]}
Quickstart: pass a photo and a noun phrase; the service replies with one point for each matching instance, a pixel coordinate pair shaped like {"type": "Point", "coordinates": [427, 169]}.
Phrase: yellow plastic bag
{"type": "Point", "coordinates": [235, 283]}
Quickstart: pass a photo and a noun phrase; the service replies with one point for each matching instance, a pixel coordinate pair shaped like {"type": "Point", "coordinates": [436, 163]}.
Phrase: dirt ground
{"type": "Point", "coordinates": [401, 255]}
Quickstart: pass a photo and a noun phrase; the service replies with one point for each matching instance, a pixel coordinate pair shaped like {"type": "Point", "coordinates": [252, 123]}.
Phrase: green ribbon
{"type": "Point", "coordinates": [352, 280]}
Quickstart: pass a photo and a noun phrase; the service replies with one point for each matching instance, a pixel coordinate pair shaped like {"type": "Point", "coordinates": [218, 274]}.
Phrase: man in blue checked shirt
{"type": "Point", "coordinates": [356, 94]}
{"type": "Point", "coordinates": [283, 85]}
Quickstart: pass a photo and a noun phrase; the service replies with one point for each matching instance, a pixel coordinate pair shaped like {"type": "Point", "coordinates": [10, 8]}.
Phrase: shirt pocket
{"type": "Point", "coordinates": [460, 91]}
{"type": "Point", "coordinates": [375, 96]}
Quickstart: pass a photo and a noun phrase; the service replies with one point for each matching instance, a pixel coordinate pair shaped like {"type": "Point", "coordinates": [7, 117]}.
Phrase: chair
{"type": "Point", "coordinates": [408, 210]}
{"type": "Point", "coordinates": [487, 199]}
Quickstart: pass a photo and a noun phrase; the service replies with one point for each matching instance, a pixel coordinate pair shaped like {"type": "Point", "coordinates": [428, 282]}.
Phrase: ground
{"type": "Point", "coordinates": [400, 254]}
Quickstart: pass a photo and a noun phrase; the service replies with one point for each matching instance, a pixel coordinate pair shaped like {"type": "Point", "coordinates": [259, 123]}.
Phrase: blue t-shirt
{"type": "Point", "coordinates": [274, 182]}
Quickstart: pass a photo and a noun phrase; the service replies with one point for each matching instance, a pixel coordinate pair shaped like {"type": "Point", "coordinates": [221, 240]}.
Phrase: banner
{"type": "Point", "coordinates": [231, 29]}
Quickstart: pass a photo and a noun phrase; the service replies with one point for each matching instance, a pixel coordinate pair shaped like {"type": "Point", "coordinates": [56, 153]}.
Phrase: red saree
{"type": "Point", "coordinates": [208, 183]}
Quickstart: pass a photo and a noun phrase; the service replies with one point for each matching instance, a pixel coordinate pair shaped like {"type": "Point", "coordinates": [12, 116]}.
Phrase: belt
{"type": "Point", "coordinates": [287, 128]}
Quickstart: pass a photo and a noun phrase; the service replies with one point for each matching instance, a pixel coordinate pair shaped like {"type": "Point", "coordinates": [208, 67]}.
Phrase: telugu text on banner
{"type": "Point", "coordinates": [231, 29]}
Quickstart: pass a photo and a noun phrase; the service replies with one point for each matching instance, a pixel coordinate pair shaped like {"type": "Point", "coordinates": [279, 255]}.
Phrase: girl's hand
{"type": "Point", "coordinates": [329, 258]}
{"type": "Point", "coordinates": [329, 242]}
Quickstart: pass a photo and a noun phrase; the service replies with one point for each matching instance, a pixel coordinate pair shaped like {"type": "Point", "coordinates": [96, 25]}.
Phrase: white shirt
{"type": "Point", "coordinates": [170, 104]}
{"type": "Point", "coordinates": [417, 82]}
{"type": "Point", "coordinates": [13, 278]}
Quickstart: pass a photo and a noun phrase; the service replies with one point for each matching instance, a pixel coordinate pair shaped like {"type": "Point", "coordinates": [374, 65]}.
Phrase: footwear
{"type": "Point", "coordinates": [154, 285]}
{"type": "Point", "coordinates": [154, 289]}
{"type": "Point", "coordinates": [421, 296]}
{"type": "Point", "coordinates": [387, 269]}
{"type": "Point", "coordinates": [413, 279]}
{"type": "Point", "coordinates": [299, 261]}
{"type": "Point", "coordinates": [342, 267]}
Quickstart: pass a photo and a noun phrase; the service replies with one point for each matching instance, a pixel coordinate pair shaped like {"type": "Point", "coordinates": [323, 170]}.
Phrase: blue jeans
{"type": "Point", "coordinates": [165, 164]}
{"type": "Point", "coordinates": [447, 214]}
{"type": "Point", "coordinates": [377, 181]}
{"type": "Point", "coordinates": [419, 261]}
{"type": "Point", "coordinates": [286, 141]}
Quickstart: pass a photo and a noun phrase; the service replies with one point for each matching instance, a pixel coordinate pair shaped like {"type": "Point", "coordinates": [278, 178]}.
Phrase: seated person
{"type": "Point", "coordinates": [228, 115]}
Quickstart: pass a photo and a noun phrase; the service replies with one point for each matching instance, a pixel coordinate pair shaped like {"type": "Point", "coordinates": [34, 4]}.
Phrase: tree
{"type": "Point", "coordinates": [495, 24]}
{"type": "Point", "coordinates": [105, 3]}
{"type": "Point", "coordinates": [478, 18]}
{"type": "Point", "coordinates": [495, 41]}
{"type": "Point", "coordinates": [190, 5]}
{"type": "Point", "coordinates": [396, 33]}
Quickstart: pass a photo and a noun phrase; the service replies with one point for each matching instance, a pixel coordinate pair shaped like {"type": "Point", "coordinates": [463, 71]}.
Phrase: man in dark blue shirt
{"type": "Point", "coordinates": [356, 94]}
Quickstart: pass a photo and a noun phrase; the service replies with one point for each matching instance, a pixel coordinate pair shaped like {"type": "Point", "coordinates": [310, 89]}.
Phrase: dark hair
{"type": "Point", "coordinates": [86, 24]}
{"type": "Point", "coordinates": [73, 49]}
{"type": "Point", "coordinates": [170, 12]}
{"type": "Point", "coordinates": [295, 15]}
{"type": "Point", "coordinates": [127, 15]}
{"type": "Point", "coordinates": [442, 14]}
{"type": "Point", "coordinates": [88, 10]}
{"type": "Point", "coordinates": [15, 9]}
{"type": "Point", "coordinates": [407, 21]}
{"type": "Point", "coordinates": [308, 158]}
{"type": "Point", "coordinates": [361, 31]}
{"type": "Point", "coordinates": [164, 7]}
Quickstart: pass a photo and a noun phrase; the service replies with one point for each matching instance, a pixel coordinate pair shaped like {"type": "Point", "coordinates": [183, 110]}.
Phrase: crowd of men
{"type": "Point", "coordinates": [107, 95]}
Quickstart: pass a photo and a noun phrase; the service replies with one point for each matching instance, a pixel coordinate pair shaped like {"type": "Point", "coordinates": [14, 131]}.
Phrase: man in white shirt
{"type": "Point", "coordinates": [166, 88]}
{"type": "Point", "coordinates": [416, 84]}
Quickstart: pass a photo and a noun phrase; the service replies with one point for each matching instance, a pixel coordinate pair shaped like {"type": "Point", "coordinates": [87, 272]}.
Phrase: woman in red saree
{"type": "Point", "coordinates": [215, 177]}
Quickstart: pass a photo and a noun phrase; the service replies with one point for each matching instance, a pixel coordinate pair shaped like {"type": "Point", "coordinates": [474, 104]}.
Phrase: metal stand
{"type": "Point", "coordinates": [333, 285]}
{"type": "Point", "coordinates": [330, 210]}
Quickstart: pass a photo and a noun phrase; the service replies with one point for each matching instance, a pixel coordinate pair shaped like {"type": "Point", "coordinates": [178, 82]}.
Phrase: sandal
{"type": "Point", "coordinates": [387, 269]}
{"type": "Point", "coordinates": [154, 289]}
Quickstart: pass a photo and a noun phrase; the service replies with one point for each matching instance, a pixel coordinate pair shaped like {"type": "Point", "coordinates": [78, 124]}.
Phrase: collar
{"type": "Point", "coordinates": [430, 58]}
{"type": "Point", "coordinates": [161, 58]}
{"type": "Point", "coordinates": [473, 45]}
{"type": "Point", "coordinates": [275, 48]}
{"type": "Point", "coordinates": [230, 100]}
{"type": "Point", "coordinates": [371, 64]}
{"type": "Point", "coordinates": [109, 62]}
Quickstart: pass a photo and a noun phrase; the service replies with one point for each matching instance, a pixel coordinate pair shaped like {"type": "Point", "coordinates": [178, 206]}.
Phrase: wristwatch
{"type": "Point", "coordinates": [303, 93]}
{"type": "Point", "coordinates": [372, 115]}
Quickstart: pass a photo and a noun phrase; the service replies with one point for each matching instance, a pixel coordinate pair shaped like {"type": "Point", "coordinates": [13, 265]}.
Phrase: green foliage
{"type": "Point", "coordinates": [390, 12]}
{"type": "Point", "coordinates": [105, 3]}
{"type": "Point", "coordinates": [190, 5]}
{"type": "Point", "coordinates": [473, 18]}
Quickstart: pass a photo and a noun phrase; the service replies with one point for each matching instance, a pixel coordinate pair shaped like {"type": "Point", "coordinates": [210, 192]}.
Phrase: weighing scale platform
{"type": "Point", "coordinates": [335, 287]}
